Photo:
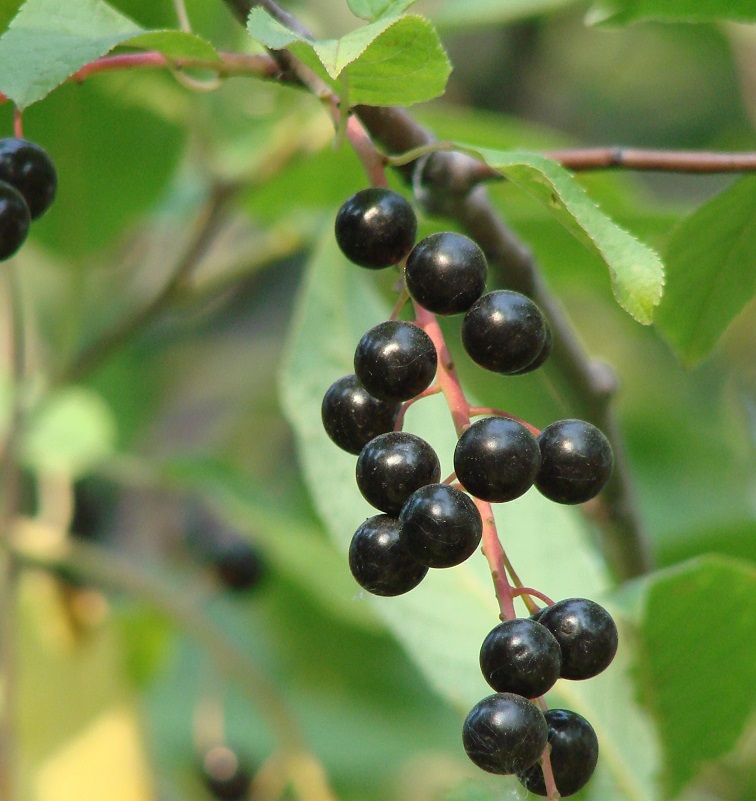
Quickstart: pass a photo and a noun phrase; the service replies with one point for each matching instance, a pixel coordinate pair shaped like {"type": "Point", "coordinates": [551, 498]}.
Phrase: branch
{"type": "Point", "coordinates": [602, 158]}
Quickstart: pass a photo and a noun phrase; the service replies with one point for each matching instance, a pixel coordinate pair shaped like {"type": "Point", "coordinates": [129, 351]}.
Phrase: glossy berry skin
{"type": "Point", "coordinates": [376, 228]}
{"type": "Point", "coordinates": [446, 273]}
{"type": "Point", "coordinates": [504, 332]}
{"type": "Point", "coordinates": [224, 775]}
{"type": "Point", "coordinates": [392, 466]}
{"type": "Point", "coordinates": [504, 733]}
{"type": "Point", "coordinates": [497, 459]}
{"type": "Point", "coordinates": [441, 526]}
{"type": "Point", "coordinates": [539, 360]}
{"type": "Point", "coordinates": [14, 220]}
{"type": "Point", "coordinates": [586, 634]}
{"type": "Point", "coordinates": [520, 656]}
{"type": "Point", "coordinates": [379, 561]}
{"type": "Point", "coordinates": [574, 754]}
{"type": "Point", "coordinates": [238, 565]}
{"type": "Point", "coordinates": [352, 416]}
{"type": "Point", "coordinates": [576, 461]}
{"type": "Point", "coordinates": [395, 361]}
{"type": "Point", "coordinates": [28, 168]}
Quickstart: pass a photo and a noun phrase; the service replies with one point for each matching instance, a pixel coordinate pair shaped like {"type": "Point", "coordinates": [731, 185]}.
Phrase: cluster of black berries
{"type": "Point", "coordinates": [28, 181]}
{"type": "Point", "coordinates": [430, 524]}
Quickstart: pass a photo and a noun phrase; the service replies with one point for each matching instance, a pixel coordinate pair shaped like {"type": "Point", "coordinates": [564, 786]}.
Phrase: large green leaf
{"type": "Point", "coordinates": [711, 271]}
{"type": "Point", "coordinates": [394, 61]}
{"type": "Point", "coordinates": [49, 40]}
{"type": "Point", "coordinates": [636, 271]}
{"type": "Point", "coordinates": [375, 9]}
{"type": "Point", "coordinates": [696, 660]}
{"type": "Point", "coordinates": [470, 13]}
{"type": "Point", "coordinates": [623, 11]}
{"type": "Point", "coordinates": [443, 622]}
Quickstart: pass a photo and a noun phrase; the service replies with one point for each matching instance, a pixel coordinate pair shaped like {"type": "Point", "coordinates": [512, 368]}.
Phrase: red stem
{"type": "Point", "coordinates": [523, 591]}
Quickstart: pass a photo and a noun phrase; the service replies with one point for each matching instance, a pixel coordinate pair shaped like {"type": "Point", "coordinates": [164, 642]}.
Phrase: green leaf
{"type": "Point", "coordinates": [442, 623]}
{"type": "Point", "coordinates": [711, 271]}
{"type": "Point", "coordinates": [70, 433]}
{"type": "Point", "coordinates": [395, 61]}
{"type": "Point", "coordinates": [636, 271]}
{"type": "Point", "coordinates": [471, 13]}
{"type": "Point", "coordinates": [375, 9]}
{"type": "Point", "coordinates": [624, 11]}
{"type": "Point", "coordinates": [696, 663]}
{"type": "Point", "coordinates": [49, 40]}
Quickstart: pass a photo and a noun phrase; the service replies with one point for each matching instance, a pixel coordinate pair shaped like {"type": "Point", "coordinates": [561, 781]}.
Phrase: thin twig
{"type": "Point", "coordinates": [628, 158]}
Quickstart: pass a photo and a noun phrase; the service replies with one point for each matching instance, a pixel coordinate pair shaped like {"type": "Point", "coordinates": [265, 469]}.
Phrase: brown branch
{"type": "Point", "coordinates": [603, 158]}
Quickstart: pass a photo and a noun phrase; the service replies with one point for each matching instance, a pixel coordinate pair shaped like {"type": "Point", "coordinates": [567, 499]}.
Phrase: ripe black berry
{"type": "Point", "coordinates": [395, 361]}
{"type": "Point", "coordinates": [497, 459]}
{"type": "Point", "coordinates": [14, 220]}
{"type": "Point", "coordinates": [576, 461]}
{"type": "Point", "coordinates": [379, 561]}
{"type": "Point", "coordinates": [352, 416]}
{"type": "Point", "coordinates": [376, 228]}
{"type": "Point", "coordinates": [441, 526]}
{"type": "Point", "coordinates": [28, 168]}
{"type": "Point", "coordinates": [392, 466]}
{"type": "Point", "coordinates": [520, 656]}
{"type": "Point", "coordinates": [574, 753]}
{"type": "Point", "coordinates": [504, 733]}
{"type": "Point", "coordinates": [446, 273]}
{"type": "Point", "coordinates": [586, 634]}
{"type": "Point", "coordinates": [224, 775]}
{"type": "Point", "coordinates": [542, 356]}
{"type": "Point", "coordinates": [504, 332]}
{"type": "Point", "coordinates": [238, 565]}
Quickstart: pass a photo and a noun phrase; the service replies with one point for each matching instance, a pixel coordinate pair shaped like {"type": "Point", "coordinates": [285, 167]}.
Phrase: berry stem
{"type": "Point", "coordinates": [523, 592]}
{"type": "Point", "coordinates": [432, 390]}
{"type": "Point", "coordinates": [496, 558]}
{"type": "Point", "coordinates": [552, 793]}
{"type": "Point", "coordinates": [479, 410]}
{"type": "Point", "coordinates": [18, 123]}
{"type": "Point", "coordinates": [400, 303]}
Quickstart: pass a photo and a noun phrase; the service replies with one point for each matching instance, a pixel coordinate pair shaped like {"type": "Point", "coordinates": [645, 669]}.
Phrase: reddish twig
{"type": "Point", "coordinates": [478, 410]}
{"type": "Point", "coordinates": [523, 591]}
{"type": "Point", "coordinates": [628, 158]}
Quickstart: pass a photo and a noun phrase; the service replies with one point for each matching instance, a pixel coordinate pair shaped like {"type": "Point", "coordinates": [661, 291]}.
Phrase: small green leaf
{"type": "Point", "coordinates": [70, 433]}
{"type": "Point", "coordinates": [696, 663]}
{"type": "Point", "coordinates": [50, 40]}
{"type": "Point", "coordinates": [472, 13]}
{"type": "Point", "coordinates": [375, 9]}
{"type": "Point", "coordinates": [619, 12]}
{"type": "Point", "coordinates": [394, 61]}
{"type": "Point", "coordinates": [711, 271]}
{"type": "Point", "coordinates": [636, 271]}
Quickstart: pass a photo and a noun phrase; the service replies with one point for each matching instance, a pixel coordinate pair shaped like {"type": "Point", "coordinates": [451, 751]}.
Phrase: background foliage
{"type": "Point", "coordinates": [204, 423]}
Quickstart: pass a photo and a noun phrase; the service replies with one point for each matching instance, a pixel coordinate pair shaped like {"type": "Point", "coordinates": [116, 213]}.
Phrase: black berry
{"type": "Point", "coordinates": [446, 273]}
{"type": "Point", "coordinates": [395, 361]}
{"type": "Point", "coordinates": [497, 459]}
{"type": "Point", "coordinates": [14, 220]}
{"type": "Point", "coordinates": [224, 775]}
{"type": "Point", "coordinates": [352, 416]}
{"type": "Point", "coordinates": [441, 526]}
{"type": "Point", "coordinates": [504, 733]}
{"type": "Point", "coordinates": [576, 461]}
{"type": "Point", "coordinates": [586, 634]}
{"type": "Point", "coordinates": [542, 356]}
{"type": "Point", "coordinates": [376, 228]}
{"type": "Point", "coordinates": [379, 561]}
{"type": "Point", "coordinates": [238, 565]}
{"type": "Point", "coordinates": [574, 753]}
{"type": "Point", "coordinates": [392, 466]}
{"type": "Point", "coordinates": [504, 332]}
{"type": "Point", "coordinates": [28, 168]}
{"type": "Point", "coordinates": [520, 656]}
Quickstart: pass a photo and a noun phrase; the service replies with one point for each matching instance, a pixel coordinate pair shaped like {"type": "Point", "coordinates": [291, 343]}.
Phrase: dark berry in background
{"type": "Point", "coordinates": [14, 220]}
{"type": "Point", "coordinates": [392, 466]}
{"type": "Point", "coordinates": [504, 332]}
{"type": "Point", "coordinates": [28, 168]}
{"type": "Point", "coordinates": [576, 461]}
{"type": "Point", "coordinates": [446, 273]}
{"type": "Point", "coordinates": [441, 526]}
{"type": "Point", "coordinates": [379, 561]}
{"type": "Point", "coordinates": [520, 656]}
{"type": "Point", "coordinates": [395, 361]}
{"type": "Point", "coordinates": [504, 733]}
{"type": "Point", "coordinates": [224, 775]}
{"type": "Point", "coordinates": [352, 416]}
{"type": "Point", "coordinates": [497, 459]}
{"type": "Point", "coordinates": [238, 565]}
{"type": "Point", "coordinates": [586, 634]}
{"type": "Point", "coordinates": [574, 754]}
{"type": "Point", "coordinates": [376, 228]}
